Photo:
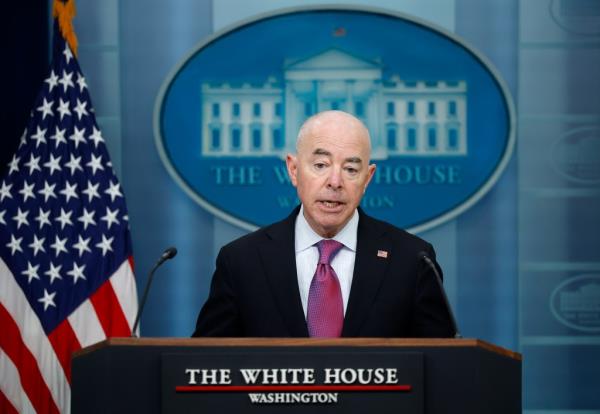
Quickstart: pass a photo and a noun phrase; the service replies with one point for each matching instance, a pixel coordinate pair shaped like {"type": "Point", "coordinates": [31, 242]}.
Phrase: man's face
{"type": "Point", "coordinates": [331, 172]}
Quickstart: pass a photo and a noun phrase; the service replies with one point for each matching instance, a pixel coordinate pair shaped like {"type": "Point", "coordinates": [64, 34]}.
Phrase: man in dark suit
{"type": "Point", "coordinates": [328, 269]}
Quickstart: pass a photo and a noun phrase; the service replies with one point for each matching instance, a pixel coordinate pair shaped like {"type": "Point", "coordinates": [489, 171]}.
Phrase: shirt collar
{"type": "Point", "coordinates": [306, 237]}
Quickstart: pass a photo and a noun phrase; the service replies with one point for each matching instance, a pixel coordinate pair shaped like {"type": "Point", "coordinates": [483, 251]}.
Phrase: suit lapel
{"type": "Point", "coordinates": [372, 257]}
{"type": "Point", "coordinates": [279, 260]}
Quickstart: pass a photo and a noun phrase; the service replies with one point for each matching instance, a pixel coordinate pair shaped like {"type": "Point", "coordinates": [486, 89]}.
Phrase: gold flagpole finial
{"type": "Point", "coordinates": [65, 11]}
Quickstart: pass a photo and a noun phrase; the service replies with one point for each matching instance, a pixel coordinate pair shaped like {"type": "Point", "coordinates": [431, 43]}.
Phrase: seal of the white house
{"type": "Point", "coordinates": [575, 303]}
{"type": "Point", "coordinates": [440, 118]}
{"type": "Point", "coordinates": [575, 155]}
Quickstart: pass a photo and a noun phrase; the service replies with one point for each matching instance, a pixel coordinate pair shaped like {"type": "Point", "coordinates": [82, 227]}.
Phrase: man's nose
{"type": "Point", "coordinates": [335, 178]}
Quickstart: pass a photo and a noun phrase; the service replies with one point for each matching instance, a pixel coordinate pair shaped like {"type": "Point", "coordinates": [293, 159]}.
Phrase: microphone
{"type": "Point", "coordinates": [423, 256]}
{"type": "Point", "coordinates": [168, 254]}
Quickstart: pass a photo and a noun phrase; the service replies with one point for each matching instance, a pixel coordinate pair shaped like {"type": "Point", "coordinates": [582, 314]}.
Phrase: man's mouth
{"type": "Point", "coordinates": [330, 204]}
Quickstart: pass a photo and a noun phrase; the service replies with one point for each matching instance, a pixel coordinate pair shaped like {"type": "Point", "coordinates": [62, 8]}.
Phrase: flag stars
{"type": "Point", "coordinates": [47, 191]}
{"type": "Point", "coordinates": [14, 245]}
{"type": "Point", "coordinates": [66, 80]}
{"type": "Point", "coordinates": [47, 299]}
{"type": "Point", "coordinates": [54, 164]}
{"type": "Point", "coordinates": [96, 137]}
{"type": "Point", "coordinates": [91, 191]}
{"type": "Point", "coordinates": [33, 164]}
{"type": "Point", "coordinates": [59, 246]}
{"type": "Point", "coordinates": [68, 54]}
{"type": "Point", "coordinates": [105, 245]}
{"type": "Point", "coordinates": [69, 231]}
{"type": "Point", "coordinates": [110, 217]}
{"type": "Point", "coordinates": [80, 109]}
{"type": "Point", "coordinates": [27, 191]}
{"type": "Point", "coordinates": [74, 164]}
{"type": "Point", "coordinates": [23, 139]}
{"type": "Point", "coordinates": [113, 191]}
{"type": "Point", "coordinates": [13, 165]}
{"type": "Point", "coordinates": [77, 273]}
{"type": "Point", "coordinates": [81, 82]}
{"type": "Point", "coordinates": [52, 80]}
{"type": "Point", "coordinates": [21, 217]}
{"type": "Point", "coordinates": [31, 272]}
{"type": "Point", "coordinates": [43, 218]}
{"type": "Point", "coordinates": [95, 164]}
{"type": "Point", "coordinates": [5, 191]}
{"type": "Point", "coordinates": [46, 108]}
{"type": "Point", "coordinates": [77, 136]}
{"type": "Point", "coordinates": [37, 245]}
{"type": "Point", "coordinates": [53, 273]}
{"type": "Point", "coordinates": [64, 218]}
{"type": "Point", "coordinates": [59, 137]}
{"type": "Point", "coordinates": [87, 218]}
{"type": "Point", "coordinates": [69, 191]}
{"type": "Point", "coordinates": [82, 245]}
{"type": "Point", "coordinates": [39, 136]}
{"type": "Point", "coordinates": [63, 108]}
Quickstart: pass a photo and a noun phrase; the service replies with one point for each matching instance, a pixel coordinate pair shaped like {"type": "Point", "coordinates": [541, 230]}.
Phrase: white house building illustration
{"type": "Point", "coordinates": [405, 119]}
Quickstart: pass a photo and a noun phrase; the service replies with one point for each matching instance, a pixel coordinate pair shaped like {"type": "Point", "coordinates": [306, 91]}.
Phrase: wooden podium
{"type": "Point", "coordinates": [247, 375]}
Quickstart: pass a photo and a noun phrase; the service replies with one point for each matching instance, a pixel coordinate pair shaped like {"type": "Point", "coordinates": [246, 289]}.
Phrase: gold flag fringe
{"type": "Point", "coordinates": [65, 11]}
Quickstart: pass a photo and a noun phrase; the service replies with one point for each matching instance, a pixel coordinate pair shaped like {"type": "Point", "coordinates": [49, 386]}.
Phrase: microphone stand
{"type": "Point", "coordinates": [438, 279]}
{"type": "Point", "coordinates": [168, 254]}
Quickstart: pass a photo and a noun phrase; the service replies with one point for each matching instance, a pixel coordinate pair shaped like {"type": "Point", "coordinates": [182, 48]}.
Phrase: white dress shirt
{"type": "Point", "coordinates": [307, 256]}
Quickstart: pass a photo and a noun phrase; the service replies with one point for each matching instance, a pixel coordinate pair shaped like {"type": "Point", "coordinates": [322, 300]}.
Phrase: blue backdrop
{"type": "Point", "coordinates": [511, 261]}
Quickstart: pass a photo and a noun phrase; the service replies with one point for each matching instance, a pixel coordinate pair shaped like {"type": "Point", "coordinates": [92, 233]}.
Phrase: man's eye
{"type": "Point", "coordinates": [351, 170]}
{"type": "Point", "coordinates": [319, 165]}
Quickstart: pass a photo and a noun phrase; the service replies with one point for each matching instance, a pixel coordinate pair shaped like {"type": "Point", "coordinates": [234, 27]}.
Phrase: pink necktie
{"type": "Point", "coordinates": [325, 313]}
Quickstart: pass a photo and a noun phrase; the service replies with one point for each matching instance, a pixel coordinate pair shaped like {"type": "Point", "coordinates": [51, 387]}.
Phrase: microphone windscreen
{"type": "Point", "coordinates": [169, 253]}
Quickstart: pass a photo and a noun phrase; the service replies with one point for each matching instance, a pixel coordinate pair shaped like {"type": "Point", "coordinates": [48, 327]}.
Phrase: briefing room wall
{"type": "Point", "coordinates": [559, 155]}
{"type": "Point", "coordinates": [503, 257]}
{"type": "Point", "coordinates": [144, 50]}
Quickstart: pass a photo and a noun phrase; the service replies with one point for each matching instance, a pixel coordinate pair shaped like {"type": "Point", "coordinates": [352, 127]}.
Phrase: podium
{"type": "Point", "coordinates": [296, 375]}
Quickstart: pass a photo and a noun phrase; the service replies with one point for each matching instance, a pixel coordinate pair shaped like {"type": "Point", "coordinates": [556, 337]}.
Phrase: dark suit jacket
{"type": "Point", "coordinates": [254, 291]}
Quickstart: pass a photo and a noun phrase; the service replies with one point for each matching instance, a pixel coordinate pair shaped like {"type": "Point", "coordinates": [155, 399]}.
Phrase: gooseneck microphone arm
{"type": "Point", "coordinates": [423, 256]}
{"type": "Point", "coordinates": [170, 253]}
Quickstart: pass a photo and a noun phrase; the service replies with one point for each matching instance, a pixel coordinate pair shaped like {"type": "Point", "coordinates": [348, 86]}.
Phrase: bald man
{"type": "Point", "coordinates": [328, 269]}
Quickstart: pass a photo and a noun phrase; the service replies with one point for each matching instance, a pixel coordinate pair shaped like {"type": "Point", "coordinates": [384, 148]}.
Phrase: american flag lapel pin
{"type": "Point", "coordinates": [382, 253]}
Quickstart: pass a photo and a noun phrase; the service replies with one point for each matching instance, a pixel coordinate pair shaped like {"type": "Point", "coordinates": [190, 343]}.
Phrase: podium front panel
{"type": "Point", "coordinates": [125, 375]}
{"type": "Point", "coordinates": [315, 380]}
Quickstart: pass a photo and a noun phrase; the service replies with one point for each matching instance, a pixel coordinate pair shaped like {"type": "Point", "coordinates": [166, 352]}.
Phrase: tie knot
{"type": "Point", "coordinates": [327, 250]}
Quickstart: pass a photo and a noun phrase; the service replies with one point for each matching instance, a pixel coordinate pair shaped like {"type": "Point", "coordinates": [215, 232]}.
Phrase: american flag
{"type": "Point", "coordinates": [66, 278]}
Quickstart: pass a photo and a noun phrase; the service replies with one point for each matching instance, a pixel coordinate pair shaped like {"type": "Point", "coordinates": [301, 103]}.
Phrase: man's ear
{"type": "Point", "coordinates": [370, 173]}
{"type": "Point", "coordinates": [291, 161]}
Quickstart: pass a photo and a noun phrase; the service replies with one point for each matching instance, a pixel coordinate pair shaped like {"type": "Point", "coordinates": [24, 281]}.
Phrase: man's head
{"type": "Point", "coordinates": [331, 169]}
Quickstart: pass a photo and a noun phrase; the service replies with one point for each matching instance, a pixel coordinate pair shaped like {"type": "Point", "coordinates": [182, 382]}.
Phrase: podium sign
{"type": "Point", "coordinates": [295, 375]}
{"type": "Point", "coordinates": [304, 380]}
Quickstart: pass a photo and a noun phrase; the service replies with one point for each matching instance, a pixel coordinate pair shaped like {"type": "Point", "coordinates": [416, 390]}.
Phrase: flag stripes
{"type": "Point", "coordinates": [31, 351]}
{"type": "Point", "coordinates": [109, 312]}
{"type": "Point", "coordinates": [64, 342]}
{"type": "Point", "coordinates": [14, 401]}
{"type": "Point", "coordinates": [30, 376]}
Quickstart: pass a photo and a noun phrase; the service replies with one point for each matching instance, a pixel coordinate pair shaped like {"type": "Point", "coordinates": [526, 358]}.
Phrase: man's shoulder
{"type": "Point", "coordinates": [282, 230]}
{"type": "Point", "coordinates": [249, 239]}
{"type": "Point", "coordinates": [397, 234]}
